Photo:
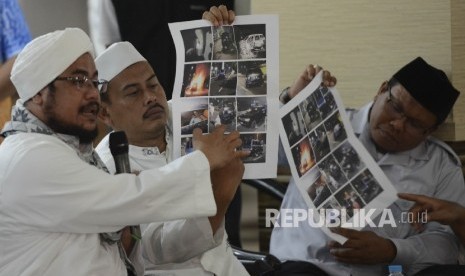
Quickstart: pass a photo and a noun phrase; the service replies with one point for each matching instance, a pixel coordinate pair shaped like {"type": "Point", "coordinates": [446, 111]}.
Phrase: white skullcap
{"type": "Point", "coordinates": [116, 58]}
{"type": "Point", "coordinates": [46, 57]}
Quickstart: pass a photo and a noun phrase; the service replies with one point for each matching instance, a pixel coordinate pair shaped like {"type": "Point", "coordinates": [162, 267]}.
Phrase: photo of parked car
{"type": "Point", "coordinates": [254, 77]}
{"type": "Point", "coordinates": [256, 144]}
{"type": "Point", "coordinates": [251, 41]}
{"type": "Point", "coordinates": [251, 78]}
{"type": "Point", "coordinates": [256, 41]}
{"type": "Point", "coordinates": [253, 117]}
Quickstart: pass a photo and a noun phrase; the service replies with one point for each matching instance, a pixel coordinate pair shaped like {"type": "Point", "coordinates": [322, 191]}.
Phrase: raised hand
{"type": "Point", "coordinates": [219, 148]}
{"type": "Point", "coordinates": [307, 76]}
{"type": "Point", "coordinates": [219, 15]}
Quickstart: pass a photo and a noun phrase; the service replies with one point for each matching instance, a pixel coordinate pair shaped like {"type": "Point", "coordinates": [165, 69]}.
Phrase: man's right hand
{"type": "Point", "coordinates": [442, 211]}
{"type": "Point", "coordinates": [219, 148]}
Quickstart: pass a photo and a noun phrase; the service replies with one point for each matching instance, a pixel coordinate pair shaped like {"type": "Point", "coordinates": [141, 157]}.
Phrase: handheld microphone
{"type": "Point", "coordinates": [119, 150]}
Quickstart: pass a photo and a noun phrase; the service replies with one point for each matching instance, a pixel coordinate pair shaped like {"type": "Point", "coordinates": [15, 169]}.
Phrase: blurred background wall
{"type": "Point", "coordinates": [362, 42]}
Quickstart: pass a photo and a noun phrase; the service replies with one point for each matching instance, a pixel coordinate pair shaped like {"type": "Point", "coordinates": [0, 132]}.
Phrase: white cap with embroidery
{"type": "Point", "coordinates": [116, 58]}
{"type": "Point", "coordinates": [46, 57]}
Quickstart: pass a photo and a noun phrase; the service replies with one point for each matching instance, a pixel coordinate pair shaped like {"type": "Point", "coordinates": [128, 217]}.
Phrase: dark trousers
{"type": "Point", "coordinates": [443, 270]}
{"type": "Point", "coordinates": [296, 268]}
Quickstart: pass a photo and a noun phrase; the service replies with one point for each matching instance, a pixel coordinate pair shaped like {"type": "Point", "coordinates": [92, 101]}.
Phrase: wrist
{"type": "Point", "coordinates": [391, 251]}
{"type": "Point", "coordinates": [459, 219]}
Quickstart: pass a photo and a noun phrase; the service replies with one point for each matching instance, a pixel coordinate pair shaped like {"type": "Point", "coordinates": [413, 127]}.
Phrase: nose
{"type": "Point", "coordinates": [92, 92]}
{"type": "Point", "coordinates": [399, 123]}
{"type": "Point", "coordinates": [149, 96]}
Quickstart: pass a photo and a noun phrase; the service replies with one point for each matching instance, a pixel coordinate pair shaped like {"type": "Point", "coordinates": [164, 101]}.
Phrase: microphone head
{"type": "Point", "coordinates": [118, 143]}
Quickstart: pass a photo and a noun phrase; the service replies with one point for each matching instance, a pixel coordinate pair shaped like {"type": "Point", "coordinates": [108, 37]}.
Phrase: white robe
{"type": "Point", "coordinates": [183, 247]}
{"type": "Point", "coordinates": [53, 206]}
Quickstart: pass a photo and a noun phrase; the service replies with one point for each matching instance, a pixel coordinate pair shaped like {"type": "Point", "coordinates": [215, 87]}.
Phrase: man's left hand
{"type": "Point", "coordinates": [219, 15]}
{"type": "Point", "coordinates": [362, 247]}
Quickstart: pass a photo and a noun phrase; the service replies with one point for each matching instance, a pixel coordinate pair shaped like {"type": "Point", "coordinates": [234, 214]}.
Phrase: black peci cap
{"type": "Point", "coordinates": [429, 86]}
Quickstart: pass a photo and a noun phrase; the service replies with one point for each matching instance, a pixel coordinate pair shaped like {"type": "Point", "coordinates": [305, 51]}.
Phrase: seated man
{"type": "Point", "coordinates": [395, 129]}
{"type": "Point", "coordinates": [135, 102]}
{"type": "Point", "coordinates": [59, 208]}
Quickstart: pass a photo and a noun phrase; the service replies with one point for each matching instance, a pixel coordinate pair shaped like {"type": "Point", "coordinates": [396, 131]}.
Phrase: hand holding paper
{"type": "Point", "coordinates": [219, 15]}
{"type": "Point", "coordinates": [307, 76]}
{"type": "Point", "coordinates": [362, 247]}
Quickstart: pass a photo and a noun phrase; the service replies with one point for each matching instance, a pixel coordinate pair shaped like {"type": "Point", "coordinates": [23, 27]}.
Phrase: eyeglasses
{"type": "Point", "coordinates": [80, 82]}
{"type": "Point", "coordinates": [395, 110]}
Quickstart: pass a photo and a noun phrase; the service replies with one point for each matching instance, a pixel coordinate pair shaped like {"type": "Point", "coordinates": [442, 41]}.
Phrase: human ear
{"type": "Point", "coordinates": [383, 88]}
{"type": "Point", "coordinates": [104, 115]}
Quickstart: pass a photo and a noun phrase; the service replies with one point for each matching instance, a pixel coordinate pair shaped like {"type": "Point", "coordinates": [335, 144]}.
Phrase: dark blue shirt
{"type": "Point", "coordinates": [14, 33]}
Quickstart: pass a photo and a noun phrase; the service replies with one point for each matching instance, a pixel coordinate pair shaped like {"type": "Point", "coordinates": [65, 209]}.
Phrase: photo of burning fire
{"type": "Point", "coordinates": [196, 80]}
{"type": "Point", "coordinates": [304, 157]}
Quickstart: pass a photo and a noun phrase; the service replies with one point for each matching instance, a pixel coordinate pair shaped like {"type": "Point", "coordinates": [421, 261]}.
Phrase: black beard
{"type": "Point", "coordinates": [57, 125]}
{"type": "Point", "coordinates": [85, 136]}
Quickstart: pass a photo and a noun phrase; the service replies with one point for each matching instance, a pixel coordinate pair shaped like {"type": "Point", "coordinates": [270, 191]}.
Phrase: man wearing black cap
{"type": "Point", "coordinates": [395, 129]}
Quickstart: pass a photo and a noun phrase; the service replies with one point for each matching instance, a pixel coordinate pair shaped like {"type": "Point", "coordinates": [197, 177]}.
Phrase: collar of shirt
{"type": "Point", "coordinates": [142, 155]}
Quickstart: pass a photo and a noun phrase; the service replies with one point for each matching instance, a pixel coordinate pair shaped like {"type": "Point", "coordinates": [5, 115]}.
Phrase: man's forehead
{"type": "Point", "coordinates": [133, 76]}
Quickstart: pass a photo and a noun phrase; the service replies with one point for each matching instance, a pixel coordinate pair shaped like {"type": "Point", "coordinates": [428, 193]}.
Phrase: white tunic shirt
{"type": "Point", "coordinates": [431, 169]}
{"type": "Point", "coordinates": [183, 247]}
{"type": "Point", "coordinates": [53, 206]}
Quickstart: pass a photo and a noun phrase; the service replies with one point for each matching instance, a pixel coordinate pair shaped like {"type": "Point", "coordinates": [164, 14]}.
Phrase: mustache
{"type": "Point", "coordinates": [151, 108]}
{"type": "Point", "coordinates": [92, 106]}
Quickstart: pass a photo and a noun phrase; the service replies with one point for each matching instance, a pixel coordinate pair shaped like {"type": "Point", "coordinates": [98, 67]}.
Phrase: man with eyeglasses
{"type": "Point", "coordinates": [59, 207]}
{"type": "Point", "coordinates": [395, 129]}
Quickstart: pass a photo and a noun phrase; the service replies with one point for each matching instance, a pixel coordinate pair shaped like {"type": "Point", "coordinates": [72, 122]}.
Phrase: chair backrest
{"type": "Point", "coordinates": [270, 194]}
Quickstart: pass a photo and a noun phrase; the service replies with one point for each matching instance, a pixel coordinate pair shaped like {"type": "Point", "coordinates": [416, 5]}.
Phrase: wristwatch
{"type": "Point", "coordinates": [284, 96]}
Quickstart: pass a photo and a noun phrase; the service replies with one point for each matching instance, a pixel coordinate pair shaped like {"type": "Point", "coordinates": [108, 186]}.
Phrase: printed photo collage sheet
{"type": "Point", "coordinates": [331, 168]}
{"type": "Point", "coordinates": [229, 75]}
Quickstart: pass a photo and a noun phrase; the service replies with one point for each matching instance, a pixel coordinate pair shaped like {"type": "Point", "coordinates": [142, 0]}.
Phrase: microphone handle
{"type": "Point", "coordinates": [122, 163]}
{"type": "Point", "coordinates": [122, 166]}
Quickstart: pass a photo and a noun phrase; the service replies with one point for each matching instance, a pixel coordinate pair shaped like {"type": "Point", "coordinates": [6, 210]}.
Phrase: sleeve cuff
{"type": "Point", "coordinates": [203, 194]}
{"type": "Point", "coordinates": [405, 254]}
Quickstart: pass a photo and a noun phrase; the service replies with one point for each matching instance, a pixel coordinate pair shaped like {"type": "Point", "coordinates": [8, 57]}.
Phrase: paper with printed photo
{"type": "Point", "coordinates": [337, 177]}
{"type": "Point", "coordinates": [229, 75]}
